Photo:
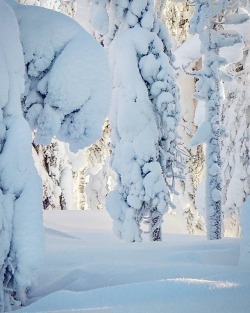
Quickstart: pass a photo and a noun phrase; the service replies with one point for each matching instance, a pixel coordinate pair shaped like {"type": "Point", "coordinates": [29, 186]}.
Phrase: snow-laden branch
{"type": "Point", "coordinates": [68, 87]}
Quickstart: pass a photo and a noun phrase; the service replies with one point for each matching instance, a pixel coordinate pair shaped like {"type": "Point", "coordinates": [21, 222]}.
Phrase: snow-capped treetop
{"type": "Point", "coordinates": [68, 87]}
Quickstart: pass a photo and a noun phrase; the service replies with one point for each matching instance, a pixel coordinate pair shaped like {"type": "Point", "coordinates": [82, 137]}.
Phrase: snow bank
{"type": "Point", "coordinates": [87, 269]}
{"type": "Point", "coordinates": [173, 295]}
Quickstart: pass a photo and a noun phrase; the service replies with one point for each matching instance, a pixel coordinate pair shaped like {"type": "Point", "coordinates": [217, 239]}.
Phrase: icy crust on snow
{"type": "Point", "coordinates": [68, 87]}
{"type": "Point", "coordinates": [21, 228]}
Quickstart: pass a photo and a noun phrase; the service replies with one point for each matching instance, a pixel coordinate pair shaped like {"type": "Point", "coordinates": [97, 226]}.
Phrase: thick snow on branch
{"type": "Point", "coordinates": [202, 135]}
{"type": "Point", "coordinates": [187, 53]}
{"type": "Point", "coordinates": [68, 87]}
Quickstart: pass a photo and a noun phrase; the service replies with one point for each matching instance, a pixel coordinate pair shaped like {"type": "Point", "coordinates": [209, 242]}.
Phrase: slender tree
{"type": "Point", "coordinates": [207, 22]}
{"type": "Point", "coordinates": [236, 119]}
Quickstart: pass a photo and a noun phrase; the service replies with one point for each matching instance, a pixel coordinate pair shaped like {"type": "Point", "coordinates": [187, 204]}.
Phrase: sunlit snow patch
{"type": "Point", "coordinates": [78, 310]}
{"type": "Point", "coordinates": [210, 283]}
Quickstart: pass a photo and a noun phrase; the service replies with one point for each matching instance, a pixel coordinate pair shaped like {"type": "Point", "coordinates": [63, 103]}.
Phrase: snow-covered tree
{"type": "Point", "coordinates": [52, 159]}
{"type": "Point", "coordinates": [53, 193]}
{"type": "Point", "coordinates": [188, 209]}
{"type": "Point", "coordinates": [51, 106]}
{"type": "Point", "coordinates": [143, 117]}
{"type": "Point", "coordinates": [52, 163]}
{"type": "Point", "coordinates": [99, 175]}
{"type": "Point", "coordinates": [74, 105]}
{"type": "Point", "coordinates": [21, 229]}
{"type": "Point", "coordinates": [207, 23]}
{"type": "Point", "coordinates": [92, 175]}
{"type": "Point", "coordinates": [235, 148]}
{"type": "Point", "coordinates": [97, 17]}
{"type": "Point", "coordinates": [176, 16]}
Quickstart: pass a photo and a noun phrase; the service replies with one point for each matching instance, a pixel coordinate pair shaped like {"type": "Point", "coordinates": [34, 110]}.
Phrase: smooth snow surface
{"type": "Point", "coordinates": [87, 269]}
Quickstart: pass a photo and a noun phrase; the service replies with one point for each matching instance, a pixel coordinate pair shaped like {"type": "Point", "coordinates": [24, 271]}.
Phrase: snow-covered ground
{"type": "Point", "coordinates": [87, 269]}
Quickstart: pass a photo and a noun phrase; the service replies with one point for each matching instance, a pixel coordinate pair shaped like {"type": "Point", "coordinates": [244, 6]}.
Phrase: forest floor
{"type": "Point", "coordinates": [87, 269]}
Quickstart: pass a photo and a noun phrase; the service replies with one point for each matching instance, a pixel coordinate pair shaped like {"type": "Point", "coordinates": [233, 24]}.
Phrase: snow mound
{"type": "Point", "coordinates": [156, 296]}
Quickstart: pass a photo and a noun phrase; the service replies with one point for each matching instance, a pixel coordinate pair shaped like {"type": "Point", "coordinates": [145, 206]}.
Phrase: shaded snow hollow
{"type": "Point", "coordinates": [87, 269]}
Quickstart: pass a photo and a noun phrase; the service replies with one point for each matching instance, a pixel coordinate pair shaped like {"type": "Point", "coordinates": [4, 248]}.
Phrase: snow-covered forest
{"type": "Point", "coordinates": [125, 155]}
